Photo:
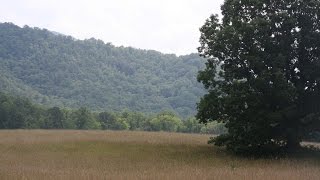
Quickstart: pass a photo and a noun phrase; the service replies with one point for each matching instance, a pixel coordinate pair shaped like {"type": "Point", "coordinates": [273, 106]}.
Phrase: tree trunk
{"type": "Point", "coordinates": [293, 142]}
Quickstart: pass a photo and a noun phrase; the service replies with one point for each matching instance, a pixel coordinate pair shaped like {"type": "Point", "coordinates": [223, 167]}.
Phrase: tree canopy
{"type": "Point", "coordinates": [21, 113]}
{"type": "Point", "coordinates": [262, 73]}
{"type": "Point", "coordinates": [58, 70]}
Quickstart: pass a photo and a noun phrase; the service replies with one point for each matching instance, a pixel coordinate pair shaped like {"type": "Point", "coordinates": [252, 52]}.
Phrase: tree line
{"type": "Point", "coordinates": [21, 113]}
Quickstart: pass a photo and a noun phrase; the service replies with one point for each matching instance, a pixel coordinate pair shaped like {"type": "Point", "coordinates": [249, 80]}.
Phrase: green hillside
{"type": "Point", "coordinates": [58, 70]}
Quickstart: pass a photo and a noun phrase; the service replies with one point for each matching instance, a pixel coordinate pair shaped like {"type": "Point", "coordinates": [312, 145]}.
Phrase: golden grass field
{"type": "Point", "coordinates": [71, 154]}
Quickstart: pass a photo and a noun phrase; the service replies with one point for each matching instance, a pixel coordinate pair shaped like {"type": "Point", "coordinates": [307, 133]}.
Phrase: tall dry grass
{"type": "Point", "coordinates": [61, 154]}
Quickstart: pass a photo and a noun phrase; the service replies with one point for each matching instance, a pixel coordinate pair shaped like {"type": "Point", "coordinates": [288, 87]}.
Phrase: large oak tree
{"type": "Point", "coordinates": [262, 73]}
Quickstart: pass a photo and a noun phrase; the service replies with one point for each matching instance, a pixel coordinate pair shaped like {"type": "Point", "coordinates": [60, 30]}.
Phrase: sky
{"type": "Point", "coordinates": [168, 26]}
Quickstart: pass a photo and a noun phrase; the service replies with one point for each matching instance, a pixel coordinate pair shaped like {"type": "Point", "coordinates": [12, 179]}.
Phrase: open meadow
{"type": "Point", "coordinates": [71, 154]}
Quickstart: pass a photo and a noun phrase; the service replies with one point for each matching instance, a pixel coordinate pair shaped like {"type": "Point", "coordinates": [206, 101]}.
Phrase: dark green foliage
{"type": "Point", "coordinates": [110, 120]}
{"type": "Point", "coordinates": [107, 120]}
{"type": "Point", "coordinates": [135, 120]}
{"type": "Point", "coordinates": [191, 125]}
{"type": "Point", "coordinates": [84, 119]}
{"type": "Point", "coordinates": [262, 73]}
{"type": "Point", "coordinates": [55, 118]}
{"type": "Point", "coordinates": [20, 113]}
{"type": "Point", "coordinates": [58, 70]}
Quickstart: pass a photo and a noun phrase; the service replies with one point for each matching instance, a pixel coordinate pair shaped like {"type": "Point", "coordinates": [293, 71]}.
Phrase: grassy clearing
{"type": "Point", "coordinates": [55, 154]}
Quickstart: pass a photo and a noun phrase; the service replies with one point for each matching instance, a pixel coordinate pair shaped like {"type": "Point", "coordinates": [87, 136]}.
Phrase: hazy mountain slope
{"type": "Point", "coordinates": [59, 70]}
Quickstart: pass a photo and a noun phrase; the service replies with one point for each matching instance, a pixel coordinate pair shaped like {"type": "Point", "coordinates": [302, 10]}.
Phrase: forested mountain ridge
{"type": "Point", "coordinates": [58, 70]}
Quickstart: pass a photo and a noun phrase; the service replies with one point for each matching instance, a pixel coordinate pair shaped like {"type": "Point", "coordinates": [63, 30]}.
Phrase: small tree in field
{"type": "Point", "coordinates": [262, 73]}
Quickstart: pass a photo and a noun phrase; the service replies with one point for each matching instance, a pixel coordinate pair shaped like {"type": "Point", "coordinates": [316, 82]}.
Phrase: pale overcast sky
{"type": "Point", "coordinates": [169, 26]}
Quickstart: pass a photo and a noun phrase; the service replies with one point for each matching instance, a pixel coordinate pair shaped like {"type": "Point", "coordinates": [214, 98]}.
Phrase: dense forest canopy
{"type": "Point", "coordinates": [269, 59]}
{"type": "Point", "coordinates": [58, 70]}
